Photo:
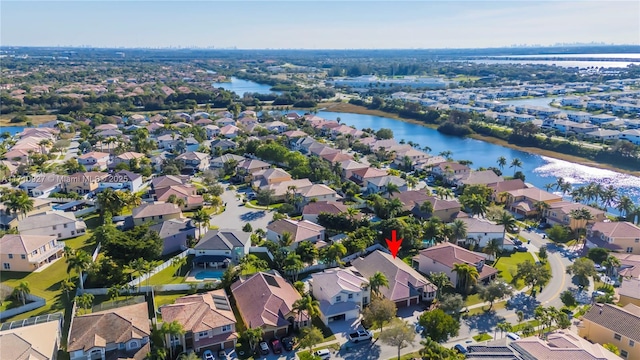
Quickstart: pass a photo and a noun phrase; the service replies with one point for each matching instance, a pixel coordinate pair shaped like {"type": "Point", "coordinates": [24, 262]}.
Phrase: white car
{"type": "Point", "coordinates": [208, 355]}
{"type": "Point", "coordinates": [323, 354]}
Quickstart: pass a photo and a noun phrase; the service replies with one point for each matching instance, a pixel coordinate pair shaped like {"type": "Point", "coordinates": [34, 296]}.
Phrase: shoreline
{"type": "Point", "coordinates": [350, 108]}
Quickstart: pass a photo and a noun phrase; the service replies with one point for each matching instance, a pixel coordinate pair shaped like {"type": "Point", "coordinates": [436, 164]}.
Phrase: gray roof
{"type": "Point", "coordinates": [224, 239]}
{"type": "Point", "coordinates": [623, 321]}
{"type": "Point", "coordinates": [46, 220]}
{"type": "Point", "coordinates": [173, 227]}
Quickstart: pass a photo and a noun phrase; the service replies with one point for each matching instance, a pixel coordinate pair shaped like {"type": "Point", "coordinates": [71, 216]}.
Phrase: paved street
{"type": "Point", "coordinates": [236, 214]}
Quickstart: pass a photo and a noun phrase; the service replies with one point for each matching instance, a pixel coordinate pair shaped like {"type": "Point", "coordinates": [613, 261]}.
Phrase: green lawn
{"type": "Point", "coordinates": [483, 309]}
{"type": "Point", "coordinates": [521, 326]}
{"type": "Point", "coordinates": [508, 264]}
{"type": "Point", "coordinates": [482, 337]}
{"type": "Point", "coordinates": [472, 300]}
{"type": "Point", "coordinates": [170, 275]}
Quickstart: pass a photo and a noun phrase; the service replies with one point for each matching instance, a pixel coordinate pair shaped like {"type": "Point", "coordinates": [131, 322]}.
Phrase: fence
{"type": "Point", "coordinates": [85, 211]}
{"type": "Point", "coordinates": [261, 249]}
{"type": "Point", "coordinates": [156, 288]}
{"type": "Point", "coordinates": [137, 281]}
{"type": "Point", "coordinates": [33, 303]}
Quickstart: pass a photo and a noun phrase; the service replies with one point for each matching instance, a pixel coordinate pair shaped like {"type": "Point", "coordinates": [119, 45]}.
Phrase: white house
{"type": "Point", "coordinates": [94, 160]}
{"type": "Point", "coordinates": [342, 293]}
{"type": "Point", "coordinates": [122, 180]}
{"type": "Point", "coordinates": [62, 225]}
{"type": "Point", "coordinates": [480, 232]}
{"type": "Point", "coordinates": [300, 231]}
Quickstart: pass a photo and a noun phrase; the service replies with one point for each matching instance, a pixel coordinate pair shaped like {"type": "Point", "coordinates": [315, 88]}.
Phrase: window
{"type": "Point", "coordinates": [638, 240]}
{"type": "Point", "coordinates": [65, 226]}
{"type": "Point", "coordinates": [338, 298]}
{"type": "Point", "coordinates": [632, 343]}
{"type": "Point", "coordinates": [629, 250]}
{"type": "Point", "coordinates": [159, 216]}
{"type": "Point", "coordinates": [203, 333]}
{"type": "Point", "coordinates": [617, 336]}
{"type": "Point", "coordinates": [6, 266]}
{"type": "Point", "coordinates": [121, 346]}
{"type": "Point", "coordinates": [134, 345]}
{"type": "Point", "coordinates": [226, 328]}
{"type": "Point", "coordinates": [10, 256]}
{"type": "Point", "coordinates": [23, 256]}
{"type": "Point", "coordinates": [624, 354]}
{"type": "Point", "coordinates": [350, 296]}
{"type": "Point", "coordinates": [59, 235]}
{"type": "Point", "coordinates": [73, 232]}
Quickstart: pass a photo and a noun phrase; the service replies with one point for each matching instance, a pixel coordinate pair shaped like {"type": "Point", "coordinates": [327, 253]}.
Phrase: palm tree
{"type": "Point", "coordinates": [467, 276]}
{"type": "Point", "coordinates": [541, 207]}
{"type": "Point", "coordinates": [559, 183]}
{"type": "Point", "coordinates": [253, 336]}
{"type": "Point", "coordinates": [293, 265]}
{"type": "Point", "coordinates": [612, 264]}
{"type": "Point", "coordinates": [286, 239]}
{"type": "Point", "coordinates": [137, 267]}
{"type": "Point", "coordinates": [80, 261]}
{"type": "Point", "coordinates": [515, 164]}
{"type": "Point", "coordinates": [444, 193]}
{"type": "Point", "coordinates": [169, 330]}
{"type": "Point", "coordinates": [502, 162]}
{"type": "Point", "coordinates": [333, 254]}
{"type": "Point", "coordinates": [114, 292]}
{"type": "Point", "coordinates": [504, 327]}
{"type": "Point", "coordinates": [201, 217]}
{"type": "Point", "coordinates": [493, 248]}
{"type": "Point", "coordinates": [393, 208]}
{"type": "Point", "coordinates": [426, 208]}
{"type": "Point", "coordinates": [608, 196]}
{"type": "Point", "coordinates": [377, 281]}
{"type": "Point", "coordinates": [507, 221]}
{"type": "Point", "coordinates": [85, 301]}
{"type": "Point", "coordinates": [458, 230]}
{"type": "Point", "coordinates": [566, 188]}
{"type": "Point", "coordinates": [391, 188]}
{"type": "Point", "coordinates": [352, 212]}
{"type": "Point", "coordinates": [582, 217]}
{"type": "Point", "coordinates": [179, 262]}
{"type": "Point", "coordinates": [477, 205]}
{"type": "Point", "coordinates": [21, 291]}
{"type": "Point", "coordinates": [306, 304]}
{"type": "Point", "coordinates": [625, 206]}
{"type": "Point", "coordinates": [440, 280]}
{"type": "Point", "coordinates": [67, 286]}
{"type": "Point", "coordinates": [549, 186]}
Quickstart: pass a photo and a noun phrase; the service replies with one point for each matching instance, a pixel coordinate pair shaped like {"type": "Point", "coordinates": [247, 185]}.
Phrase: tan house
{"type": "Point", "coordinates": [39, 341]}
{"type": "Point", "coordinates": [266, 300]}
{"type": "Point", "coordinates": [611, 324]}
{"type": "Point", "coordinates": [500, 188]}
{"type": "Point", "coordinates": [83, 183]}
{"type": "Point", "coordinates": [9, 219]}
{"type": "Point", "coordinates": [188, 193]}
{"type": "Point", "coordinates": [319, 192]}
{"type": "Point", "coordinates": [443, 257]}
{"type": "Point", "coordinates": [559, 345]}
{"type": "Point", "coordinates": [629, 292]}
{"type": "Point", "coordinates": [300, 231]}
{"type": "Point", "coordinates": [207, 319]}
{"type": "Point", "coordinates": [127, 157]}
{"type": "Point", "coordinates": [94, 160]}
{"type": "Point", "coordinates": [620, 236]}
{"type": "Point", "coordinates": [560, 213]}
{"type": "Point", "coordinates": [27, 253]}
{"type": "Point", "coordinates": [406, 286]}
{"type": "Point", "coordinates": [270, 176]}
{"type": "Point", "coordinates": [155, 212]}
{"type": "Point", "coordinates": [523, 201]}
{"type": "Point", "coordinates": [120, 333]}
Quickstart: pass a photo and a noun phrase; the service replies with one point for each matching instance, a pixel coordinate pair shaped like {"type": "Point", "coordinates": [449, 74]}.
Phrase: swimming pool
{"type": "Point", "coordinates": [209, 275]}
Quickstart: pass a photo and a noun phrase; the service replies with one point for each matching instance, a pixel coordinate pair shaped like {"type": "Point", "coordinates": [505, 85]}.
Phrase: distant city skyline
{"type": "Point", "coordinates": [305, 24]}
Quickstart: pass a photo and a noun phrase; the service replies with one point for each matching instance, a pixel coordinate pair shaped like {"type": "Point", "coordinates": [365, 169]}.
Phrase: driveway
{"type": "Point", "coordinates": [236, 215]}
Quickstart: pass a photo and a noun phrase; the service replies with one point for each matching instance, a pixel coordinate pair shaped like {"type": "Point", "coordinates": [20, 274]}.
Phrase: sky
{"type": "Point", "coordinates": [304, 24]}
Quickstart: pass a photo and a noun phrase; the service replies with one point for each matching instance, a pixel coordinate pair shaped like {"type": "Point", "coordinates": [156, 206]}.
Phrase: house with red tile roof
{"type": "Point", "coordinates": [443, 257]}
{"type": "Point", "coordinates": [300, 231]}
{"type": "Point", "coordinates": [265, 300]}
{"type": "Point", "coordinates": [188, 193]}
{"type": "Point", "coordinates": [207, 319]}
{"type": "Point", "coordinates": [523, 201]}
{"type": "Point", "coordinates": [94, 160]}
{"type": "Point", "coordinates": [311, 211]}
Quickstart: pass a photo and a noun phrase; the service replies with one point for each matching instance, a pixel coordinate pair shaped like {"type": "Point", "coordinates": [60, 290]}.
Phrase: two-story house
{"type": "Point", "coordinates": [319, 192]}
{"type": "Point", "coordinates": [94, 160]}
{"type": "Point", "coordinates": [523, 201]}
{"type": "Point", "coordinates": [219, 246]}
{"type": "Point", "coordinates": [299, 230]}
{"type": "Point", "coordinates": [265, 300]}
{"type": "Point", "coordinates": [188, 194]}
{"type": "Point", "coordinates": [119, 333]}
{"type": "Point", "coordinates": [207, 320]}
{"type": "Point", "coordinates": [218, 162]}
{"type": "Point", "coordinates": [611, 324]}
{"type": "Point", "coordinates": [175, 234]}
{"type": "Point", "coordinates": [482, 231]}
{"type": "Point", "coordinates": [619, 236]}
{"type": "Point", "coordinates": [449, 171]}
{"type": "Point", "coordinates": [194, 161]}
{"type": "Point", "coordinates": [27, 253]}
{"type": "Point", "coordinates": [121, 180]}
{"type": "Point", "coordinates": [406, 286]}
{"type": "Point", "coordinates": [62, 225]}
{"type": "Point", "coordinates": [443, 257]}
{"type": "Point", "coordinates": [378, 185]}
{"type": "Point", "coordinates": [43, 185]}
{"type": "Point", "coordinates": [560, 213]}
{"type": "Point", "coordinates": [155, 212]}
{"type": "Point", "coordinates": [362, 176]}
{"type": "Point", "coordinates": [270, 176]}
{"type": "Point", "coordinates": [83, 183]}
{"type": "Point", "coordinates": [126, 158]}
{"type": "Point", "coordinates": [342, 294]}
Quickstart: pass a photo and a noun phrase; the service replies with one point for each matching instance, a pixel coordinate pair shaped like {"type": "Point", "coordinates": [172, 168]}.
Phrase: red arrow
{"type": "Point", "coordinates": [394, 244]}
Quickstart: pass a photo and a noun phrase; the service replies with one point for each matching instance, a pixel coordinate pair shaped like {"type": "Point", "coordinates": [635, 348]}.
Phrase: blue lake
{"type": "Point", "coordinates": [538, 170]}
{"type": "Point", "coordinates": [241, 87]}
{"type": "Point", "coordinates": [11, 129]}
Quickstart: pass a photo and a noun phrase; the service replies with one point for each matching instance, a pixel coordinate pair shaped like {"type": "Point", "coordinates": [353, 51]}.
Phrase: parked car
{"type": "Point", "coordinates": [600, 268]}
{"type": "Point", "coordinates": [264, 348]}
{"type": "Point", "coordinates": [521, 248]}
{"type": "Point", "coordinates": [276, 346]}
{"type": "Point", "coordinates": [323, 354]}
{"type": "Point", "coordinates": [360, 335]}
{"type": "Point", "coordinates": [208, 355]}
{"type": "Point", "coordinates": [287, 343]}
{"type": "Point", "coordinates": [544, 226]}
{"type": "Point", "coordinates": [517, 242]}
{"type": "Point", "coordinates": [513, 336]}
{"type": "Point", "coordinates": [419, 328]}
{"type": "Point", "coordinates": [460, 348]}
{"type": "Point", "coordinates": [222, 354]}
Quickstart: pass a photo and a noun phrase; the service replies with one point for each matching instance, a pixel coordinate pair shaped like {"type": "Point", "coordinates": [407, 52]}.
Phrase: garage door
{"type": "Point", "coordinates": [413, 301]}
{"type": "Point", "coordinates": [401, 304]}
{"type": "Point", "coordinates": [281, 332]}
{"type": "Point", "coordinates": [213, 348]}
{"type": "Point", "coordinates": [230, 345]}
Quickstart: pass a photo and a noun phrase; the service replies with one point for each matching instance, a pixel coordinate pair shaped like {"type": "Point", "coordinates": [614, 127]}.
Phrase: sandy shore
{"type": "Point", "coordinates": [350, 108]}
